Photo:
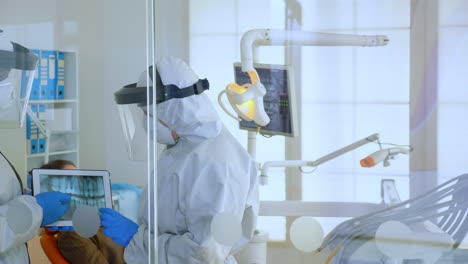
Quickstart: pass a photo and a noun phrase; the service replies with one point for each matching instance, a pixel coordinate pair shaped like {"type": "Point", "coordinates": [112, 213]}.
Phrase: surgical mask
{"type": "Point", "coordinates": [164, 135]}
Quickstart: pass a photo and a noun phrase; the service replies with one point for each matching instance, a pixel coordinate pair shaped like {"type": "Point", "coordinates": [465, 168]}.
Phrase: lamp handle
{"type": "Point", "coordinates": [220, 95]}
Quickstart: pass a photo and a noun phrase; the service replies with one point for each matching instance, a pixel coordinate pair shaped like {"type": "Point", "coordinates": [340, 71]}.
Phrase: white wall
{"type": "Point", "coordinates": [83, 28]}
{"type": "Point", "coordinates": [124, 58]}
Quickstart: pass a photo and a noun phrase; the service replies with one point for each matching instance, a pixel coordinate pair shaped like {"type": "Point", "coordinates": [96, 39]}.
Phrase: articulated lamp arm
{"type": "Point", "coordinates": [279, 37]}
{"type": "Point", "coordinates": [315, 163]}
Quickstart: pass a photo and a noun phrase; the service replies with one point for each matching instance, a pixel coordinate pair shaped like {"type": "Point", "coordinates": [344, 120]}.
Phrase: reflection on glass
{"type": "Point", "coordinates": [84, 190]}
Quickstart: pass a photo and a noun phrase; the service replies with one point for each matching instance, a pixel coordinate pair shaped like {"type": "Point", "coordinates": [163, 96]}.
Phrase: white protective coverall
{"type": "Point", "coordinates": [206, 173]}
{"type": "Point", "coordinates": [14, 233]}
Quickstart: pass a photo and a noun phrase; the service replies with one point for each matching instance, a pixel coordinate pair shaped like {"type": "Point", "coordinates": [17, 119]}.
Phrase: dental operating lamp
{"type": "Point", "coordinates": [247, 99]}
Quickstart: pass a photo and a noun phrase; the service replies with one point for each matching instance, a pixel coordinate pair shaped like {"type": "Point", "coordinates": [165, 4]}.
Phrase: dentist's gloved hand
{"type": "Point", "coordinates": [117, 227]}
{"type": "Point", "coordinates": [54, 205]}
{"type": "Point", "coordinates": [61, 228]}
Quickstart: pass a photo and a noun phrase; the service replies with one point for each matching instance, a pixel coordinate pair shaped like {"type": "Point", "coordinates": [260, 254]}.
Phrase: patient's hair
{"type": "Point", "coordinates": [57, 164]}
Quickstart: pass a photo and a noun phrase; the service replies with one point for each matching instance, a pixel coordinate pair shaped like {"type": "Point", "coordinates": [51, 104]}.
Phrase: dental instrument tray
{"type": "Point", "coordinates": [86, 187]}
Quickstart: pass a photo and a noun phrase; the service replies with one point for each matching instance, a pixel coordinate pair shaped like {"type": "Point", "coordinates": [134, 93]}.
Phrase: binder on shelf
{"type": "Point", "coordinates": [43, 76]}
{"type": "Point", "coordinates": [41, 137]}
{"type": "Point", "coordinates": [60, 91]}
{"type": "Point", "coordinates": [52, 87]}
{"type": "Point", "coordinates": [48, 91]}
{"type": "Point", "coordinates": [34, 133]}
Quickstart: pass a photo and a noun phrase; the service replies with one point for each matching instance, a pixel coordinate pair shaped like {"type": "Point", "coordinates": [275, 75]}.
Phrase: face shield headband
{"type": "Point", "coordinates": [132, 94]}
{"type": "Point", "coordinates": [20, 58]}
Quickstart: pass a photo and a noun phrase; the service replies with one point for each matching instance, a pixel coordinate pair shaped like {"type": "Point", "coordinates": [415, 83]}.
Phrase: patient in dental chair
{"type": "Point", "coordinates": [98, 249]}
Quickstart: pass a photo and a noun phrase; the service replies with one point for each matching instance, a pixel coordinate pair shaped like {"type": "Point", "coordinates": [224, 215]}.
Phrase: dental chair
{"type": "Point", "coordinates": [50, 247]}
{"type": "Point", "coordinates": [445, 208]}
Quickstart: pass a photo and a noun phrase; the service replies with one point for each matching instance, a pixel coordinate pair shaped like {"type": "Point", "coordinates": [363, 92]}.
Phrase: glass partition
{"type": "Point", "coordinates": [87, 51]}
{"type": "Point", "coordinates": [277, 131]}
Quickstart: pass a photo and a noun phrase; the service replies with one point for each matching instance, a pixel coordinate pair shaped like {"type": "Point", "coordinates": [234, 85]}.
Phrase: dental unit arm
{"type": "Point", "coordinates": [370, 161]}
{"type": "Point", "coordinates": [315, 163]}
{"type": "Point", "coordinates": [383, 155]}
{"type": "Point", "coordinates": [278, 37]}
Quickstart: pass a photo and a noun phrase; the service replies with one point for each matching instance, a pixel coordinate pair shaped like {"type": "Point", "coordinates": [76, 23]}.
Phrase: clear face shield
{"type": "Point", "coordinates": [17, 73]}
{"type": "Point", "coordinates": [138, 120]}
{"type": "Point", "coordinates": [134, 126]}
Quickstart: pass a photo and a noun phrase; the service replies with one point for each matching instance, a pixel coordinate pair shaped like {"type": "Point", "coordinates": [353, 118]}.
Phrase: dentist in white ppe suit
{"type": "Point", "coordinates": [20, 215]}
{"type": "Point", "coordinates": [12, 235]}
{"type": "Point", "coordinates": [204, 172]}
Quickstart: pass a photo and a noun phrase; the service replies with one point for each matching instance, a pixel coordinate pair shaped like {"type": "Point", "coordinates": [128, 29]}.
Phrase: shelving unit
{"type": "Point", "coordinates": [61, 122]}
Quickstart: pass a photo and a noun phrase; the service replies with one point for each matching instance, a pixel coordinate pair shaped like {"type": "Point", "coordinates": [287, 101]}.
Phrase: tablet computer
{"type": "Point", "coordinates": [86, 187]}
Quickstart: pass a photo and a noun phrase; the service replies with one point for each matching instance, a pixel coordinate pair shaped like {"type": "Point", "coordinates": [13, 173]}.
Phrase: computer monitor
{"type": "Point", "coordinates": [279, 99]}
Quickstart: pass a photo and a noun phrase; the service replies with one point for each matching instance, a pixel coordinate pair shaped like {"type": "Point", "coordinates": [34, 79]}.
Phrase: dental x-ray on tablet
{"type": "Point", "coordinates": [86, 187]}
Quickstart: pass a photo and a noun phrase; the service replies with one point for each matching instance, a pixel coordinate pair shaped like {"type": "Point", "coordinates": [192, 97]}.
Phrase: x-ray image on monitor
{"type": "Point", "coordinates": [279, 100]}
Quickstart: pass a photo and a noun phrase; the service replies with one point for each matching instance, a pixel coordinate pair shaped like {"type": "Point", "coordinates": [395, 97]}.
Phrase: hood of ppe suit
{"type": "Point", "coordinates": [193, 118]}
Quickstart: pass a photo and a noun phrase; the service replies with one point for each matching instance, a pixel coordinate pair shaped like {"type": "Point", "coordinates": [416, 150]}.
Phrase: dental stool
{"type": "Point", "coordinates": [431, 226]}
{"type": "Point", "coordinates": [50, 247]}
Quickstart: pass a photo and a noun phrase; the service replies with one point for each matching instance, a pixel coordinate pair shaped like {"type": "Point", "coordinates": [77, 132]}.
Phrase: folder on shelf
{"type": "Point", "coordinates": [41, 137]}
{"type": "Point", "coordinates": [49, 90]}
{"type": "Point", "coordinates": [40, 94]}
{"type": "Point", "coordinates": [33, 134]}
{"type": "Point", "coordinates": [60, 91]}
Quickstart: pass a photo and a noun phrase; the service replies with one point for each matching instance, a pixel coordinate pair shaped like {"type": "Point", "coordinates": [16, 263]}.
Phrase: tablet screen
{"type": "Point", "coordinates": [91, 188]}
{"type": "Point", "coordinates": [84, 190]}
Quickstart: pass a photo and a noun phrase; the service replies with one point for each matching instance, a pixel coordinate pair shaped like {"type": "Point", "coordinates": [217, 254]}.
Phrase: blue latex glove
{"type": "Point", "coordinates": [54, 205]}
{"type": "Point", "coordinates": [117, 227]}
{"type": "Point", "coordinates": [60, 228]}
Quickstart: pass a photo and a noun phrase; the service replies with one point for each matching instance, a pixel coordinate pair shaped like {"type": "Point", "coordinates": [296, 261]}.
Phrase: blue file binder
{"type": "Point", "coordinates": [41, 137]}
{"type": "Point", "coordinates": [43, 76]}
{"type": "Point", "coordinates": [60, 92]}
{"type": "Point", "coordinates": [34, 130]}
{"type": "Point", "coordinates": [48, 90]}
